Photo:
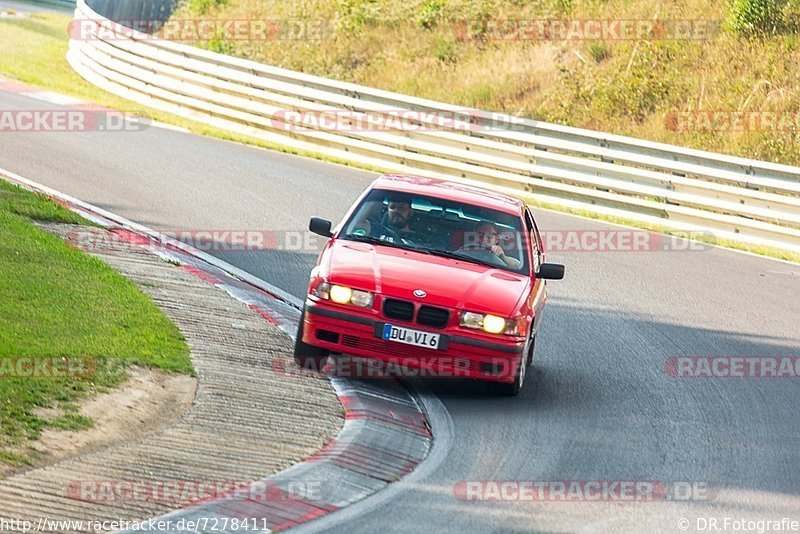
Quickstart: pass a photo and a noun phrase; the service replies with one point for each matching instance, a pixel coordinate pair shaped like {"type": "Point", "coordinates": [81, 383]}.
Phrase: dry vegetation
{"type": "Point", "coordinates": [626, 87]}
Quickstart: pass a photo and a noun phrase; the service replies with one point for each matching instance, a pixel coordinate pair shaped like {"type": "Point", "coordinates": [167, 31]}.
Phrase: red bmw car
{"type": "Point", "coordinates": [438, 274]}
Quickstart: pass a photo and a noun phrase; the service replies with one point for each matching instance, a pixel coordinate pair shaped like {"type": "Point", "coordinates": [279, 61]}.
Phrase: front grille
{"type": "Point", "coordinates": [432, 316]}
{"type": "Point", "coordinates": [401, 310]}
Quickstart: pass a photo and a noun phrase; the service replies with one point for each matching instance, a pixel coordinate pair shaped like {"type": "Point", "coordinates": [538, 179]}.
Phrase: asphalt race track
{"type": "Point", "coordinates": [32, 7]}
{"type": "Point", "coordinates": [600, 405]}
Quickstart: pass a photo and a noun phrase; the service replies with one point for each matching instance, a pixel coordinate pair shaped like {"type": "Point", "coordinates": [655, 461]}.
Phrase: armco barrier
{"type": "Point", "coordinates": [64, 4]}
{"type": "Point", "coordinates": [735, 198]}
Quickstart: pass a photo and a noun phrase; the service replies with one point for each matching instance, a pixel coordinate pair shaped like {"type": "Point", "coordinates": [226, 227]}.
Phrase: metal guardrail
{"type": "Point", "coordinates": [58, 3]}
{"type": "Point", "coordinates": [735, 198]}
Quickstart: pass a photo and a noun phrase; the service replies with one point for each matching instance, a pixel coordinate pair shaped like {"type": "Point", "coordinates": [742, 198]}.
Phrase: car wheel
{"type": "Point", "coordinates": [513, 389]}
{"type": "Point", "coordinates": [308, 357]}
{"type": "Point", "coordinates": [531, 348]}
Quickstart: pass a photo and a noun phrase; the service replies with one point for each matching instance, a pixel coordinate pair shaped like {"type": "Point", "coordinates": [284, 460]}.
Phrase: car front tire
{"type": "Point", "coordinates": [512, 389]}
{"type": "Point", "coordinates": [526, 359]}
{"type": "Point", "coordinates": [531, 349]}
{"type": "Point", "coordinates": [308, 357]}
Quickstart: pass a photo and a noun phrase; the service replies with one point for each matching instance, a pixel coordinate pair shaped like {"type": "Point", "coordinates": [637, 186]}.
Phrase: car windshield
{"type": "Point", "coordinates": [440, 227]}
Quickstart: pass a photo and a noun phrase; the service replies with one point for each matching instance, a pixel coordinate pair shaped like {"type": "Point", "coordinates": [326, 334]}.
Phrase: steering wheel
{"type": "Point", "coordinates": [475, 250]}
{"type": "Point", "coordinates": [381, 229]}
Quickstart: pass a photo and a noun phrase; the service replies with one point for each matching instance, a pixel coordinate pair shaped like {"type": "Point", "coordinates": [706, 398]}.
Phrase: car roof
{"type": "Point", "coordinates": [444, 189]}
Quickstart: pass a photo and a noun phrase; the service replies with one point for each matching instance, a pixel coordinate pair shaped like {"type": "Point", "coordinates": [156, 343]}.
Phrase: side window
{"type": "Point", "coordinates": [535, 241]}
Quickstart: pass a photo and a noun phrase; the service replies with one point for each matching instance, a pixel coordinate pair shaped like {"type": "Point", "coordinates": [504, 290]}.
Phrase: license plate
{"type": "Point", "coordinates": [411, 337]}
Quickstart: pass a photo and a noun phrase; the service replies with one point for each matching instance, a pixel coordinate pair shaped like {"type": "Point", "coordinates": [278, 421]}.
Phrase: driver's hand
{"type": "Point", "coordinates": [498, 251]}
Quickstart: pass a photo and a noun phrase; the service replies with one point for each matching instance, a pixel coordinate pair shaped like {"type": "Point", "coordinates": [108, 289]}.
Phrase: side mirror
{"type": "Point", "coordinates": [320, 227]}
{"type": "Point", "coordinates": [550, 271]}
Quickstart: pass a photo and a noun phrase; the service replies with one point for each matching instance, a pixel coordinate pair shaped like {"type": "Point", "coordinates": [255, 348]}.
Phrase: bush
{"type": "Point", "coordinates": [220, 45]}
{"type": "Point", "coordinates": [446, 49]}
{"type": "Point", "coordinates": [201, 7]}
{"type": "Point", "coordinates": [430, 13]}
{"type": "Point", "coordinates": [763, 17]}
{"type": "Point", "coordinates": [641, 90]}
{"type": "Point", "coordinates": [599, 51]}
{"type": "Point", "coordinates": [791, 16]}
{"type": "Point", "coordinates": [353, 14]}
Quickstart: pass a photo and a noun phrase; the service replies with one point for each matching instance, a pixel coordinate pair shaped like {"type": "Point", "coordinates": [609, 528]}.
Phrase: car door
{"type": "Point", "coordinates": [538, 294]}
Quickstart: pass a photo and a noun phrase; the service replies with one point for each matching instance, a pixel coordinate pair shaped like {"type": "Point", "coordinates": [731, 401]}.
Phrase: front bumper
{"type": "Point", "coordinates": [460, 355]}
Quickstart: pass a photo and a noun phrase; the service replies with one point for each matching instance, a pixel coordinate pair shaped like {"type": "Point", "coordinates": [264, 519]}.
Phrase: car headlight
{"type": "Point", "coordinates": [493, 324]}
{"type": "Point", "coordinates": [343, 295]}
{"type": "Point", "coordinates": [340, 294]}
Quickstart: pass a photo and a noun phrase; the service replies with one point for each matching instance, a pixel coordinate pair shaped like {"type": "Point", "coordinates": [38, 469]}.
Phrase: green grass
{"type": "Point", "coordinates": [16, 201]}
{"type": "Point", "coordinates": [57, 301]}
{"type": "Point", "coordinates": [71, 421]}
{"type": "Point", "coordinates": [14, 459]}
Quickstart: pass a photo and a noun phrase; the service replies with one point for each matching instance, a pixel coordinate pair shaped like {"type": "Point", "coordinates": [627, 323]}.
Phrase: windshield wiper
{"type": "Point", "coordinates": [455, 256]}
{"type": "Point", "coordinates": [423, 250]}
{"type": "Point", "coordinates": [376, 241]}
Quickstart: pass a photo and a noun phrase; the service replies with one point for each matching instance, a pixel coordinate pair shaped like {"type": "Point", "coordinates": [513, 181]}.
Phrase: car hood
{"type": "Point", "coordinates": [398, 273]}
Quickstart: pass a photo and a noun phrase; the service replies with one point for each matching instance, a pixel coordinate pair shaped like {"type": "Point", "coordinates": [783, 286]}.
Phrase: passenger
{"type": "Point", "coordinates": [489, 240]}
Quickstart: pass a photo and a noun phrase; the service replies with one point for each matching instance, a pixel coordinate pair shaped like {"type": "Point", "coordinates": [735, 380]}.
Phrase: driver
{"type": "Point", "coordinates": [398, 214]}
{"type": "Point", "coordinates": [397, 221]}
{"type": "Point", "coordinates": [489, 240]}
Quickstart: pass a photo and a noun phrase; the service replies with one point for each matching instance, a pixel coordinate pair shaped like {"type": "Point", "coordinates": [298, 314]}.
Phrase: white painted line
{"type": "Point", "coordinates": [64, 100]}
{"type": "Point", "coordinates": [56, 98]}
{"type": "Point", "coordinates": [172, 127]}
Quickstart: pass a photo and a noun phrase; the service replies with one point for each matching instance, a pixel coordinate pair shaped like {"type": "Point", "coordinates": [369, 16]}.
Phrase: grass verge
{"type": "Point", "coordinates": [37, 49]}
{"type": "Point", "coordinates": [58, 302]}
